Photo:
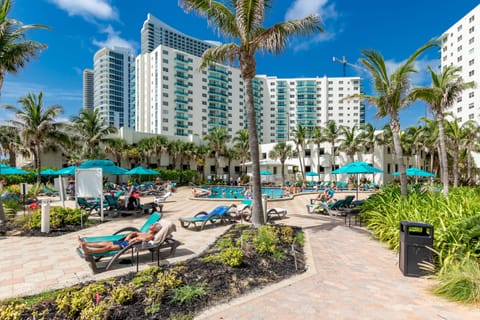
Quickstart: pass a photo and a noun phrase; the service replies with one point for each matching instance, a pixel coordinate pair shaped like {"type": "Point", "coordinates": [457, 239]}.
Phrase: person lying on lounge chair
{"type": "Point", "coordinates": [106, 246]}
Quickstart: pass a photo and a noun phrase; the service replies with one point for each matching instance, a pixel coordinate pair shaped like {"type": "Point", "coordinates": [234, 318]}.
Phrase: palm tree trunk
{"type": "Point", "coordinates": [443, 153]}
{"type": "Point", "coordinates": [38, 164]}
{"type": "Point", "coordinates": [283, 173]}
{"type": "Point", "coordinates": [247, 65]}
{"type": "Point", "coordinates": [395, 127]}
{"type": "Point", "coordinates": [455, 167]}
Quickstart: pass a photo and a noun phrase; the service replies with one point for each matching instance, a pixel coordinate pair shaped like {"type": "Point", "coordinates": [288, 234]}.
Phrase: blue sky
{"type": "Point", "coordinates": [80, 27]}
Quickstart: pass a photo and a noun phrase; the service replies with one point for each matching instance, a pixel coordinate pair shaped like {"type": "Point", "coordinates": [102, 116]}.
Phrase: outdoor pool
{"type": "Point", "coordinates": [229, 192]}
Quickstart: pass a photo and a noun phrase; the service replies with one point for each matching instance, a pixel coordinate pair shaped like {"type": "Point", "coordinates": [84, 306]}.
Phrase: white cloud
{"type": "Point", "coordinates": [114, 40]}
{"type": "Point", "coordinates": [422, 76]}
{"type": "Point", "coordinates": [99, 9]}
{"type": "Point", "coordinates": [302, 8]}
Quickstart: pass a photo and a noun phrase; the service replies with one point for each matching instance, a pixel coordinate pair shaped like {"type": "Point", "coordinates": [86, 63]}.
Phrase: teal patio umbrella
{"type": "Point", "coordinates": [68, 171]}
{"type": "Point", "coordinates": [48, 172]}
{"type": "Point", "coordinates": [265, 173]}
{"type": "Point", "coordinates": [357, 167]}
{"type": "Point", "coordinates": [416, 172]}
{"type": "Point", "coordinates": [107, 166]}
{"type": "Point", "coordinates": [7, 170]}
{"type": "Point", "coordinates": [312, 174]}
{"type": "Point", "coordinates": [142, 171]}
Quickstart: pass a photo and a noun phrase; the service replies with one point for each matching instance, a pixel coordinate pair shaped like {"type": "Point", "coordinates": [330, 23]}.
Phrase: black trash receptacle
{"type": "Point", "coordinates": [415, 237]}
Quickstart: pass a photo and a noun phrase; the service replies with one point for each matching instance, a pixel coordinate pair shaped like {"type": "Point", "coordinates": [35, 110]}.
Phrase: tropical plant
{"type": "Point", "coordinates": [300, 136]}
{"type": "Point", "coordinates": [316, 138]}
{"type": "Point", "coordinates": [217, 139]}
{"type": "Point", "coordinates": [9, 143]}
{"type": "Point", "coordinates": [393, 94]}
{"type": "Point", "coordinates": [15, 51]}
{"type": "Point", "coordinates": [117, 148]}
{"type": "Point", "coordinates": [240, 141]}
{"type": "Point", "coordinates": [331, 132]}
{"type": "Point", "coordinates": [368, 139]}
{"type": "Point", "coordinates": [281, 151]}
{"type": "Point", "coordinates": [91, 129]}
{"type": "Point", "coordinates": [37, 126]}
{"type": "Point", "coordinates": [242, 19]}
{"type": "Point", "coordinates": [350, 142]}
{"type": "Point", "coordinates": [447, 86]}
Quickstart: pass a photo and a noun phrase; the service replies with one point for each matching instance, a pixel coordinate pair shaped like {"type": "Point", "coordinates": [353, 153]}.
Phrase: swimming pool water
{"type": "Point", "coordinates": [229, 192]}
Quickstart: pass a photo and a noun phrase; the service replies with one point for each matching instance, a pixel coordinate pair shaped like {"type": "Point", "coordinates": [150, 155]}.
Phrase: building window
{"type": "Point", "coordinates": [471, 94]}
{"type": "Point", "coordinates": [471, 62]}
{"type": "Point", "coordinates": [471, 116]}
{"type": "Point", "coordinates": [471, 105]}
{"type": "Point", "coordinates": [471, 73]}
{"type": "Point", "coordinates": [472, 40]}
{"type": "Point", "coordinates": [459, 59]}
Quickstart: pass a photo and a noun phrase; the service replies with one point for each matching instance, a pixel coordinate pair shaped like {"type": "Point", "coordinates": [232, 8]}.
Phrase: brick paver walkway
{"type": "Point", "coordinates": [350, 275]}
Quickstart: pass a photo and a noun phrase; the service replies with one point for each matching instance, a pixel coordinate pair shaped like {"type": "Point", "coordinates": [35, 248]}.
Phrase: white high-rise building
{"type": "Point", "coordinates": [114, 85]}
{"type": "Point", "coordinates": [174, 98]}
{"type": "Point", "coordinates": [461, 47]}
{"type": "Point", "coordinates": [88, 89]}
{"type": "Point", "coordinates": [155, 32]}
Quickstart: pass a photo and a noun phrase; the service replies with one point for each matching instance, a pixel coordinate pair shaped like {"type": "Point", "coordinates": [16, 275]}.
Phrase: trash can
{"type": "Point", "coordinates": [415, 238]}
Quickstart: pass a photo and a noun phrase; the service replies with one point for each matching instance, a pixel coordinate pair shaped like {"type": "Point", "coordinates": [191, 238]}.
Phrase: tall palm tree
{"type": "Point", "coordinates": [331, 132]}
{"type": "Point", "coordinates": [430, 140]}
{"type": "Point", "coordinates": [393, 94]}
{"type": "Point", "coordinates": [316, 138]}
{"type": "Point", "coordinates": [368, 139]}
{"type": "Point", "coordinates": [37, 125]}
{"type": "Point", "coordinates": [117, 148]}
{"type": "Point", "coordinates": [91, 129]}
{"type": "Point", "coordinates": [455, 136]}
{"type": "Point", "coordinates": [300, 136]}
{"type": "Point", "coordinates": [240, 140]}
{"type": "Point", "coordinates": [230, 154]}
{"type": "Point", "coordinates": [217, 139]}
{"type": "Point", "coordinates": [242, 20]}
{"type": "Point", "coordinates": [9, 143]}
{"type": "Point", "coordinates": [447, 86]}
{"type": "Point", "coordinates": [470, 143]}
{"type": "Point", "coordinates": [349, 141]}
{"type": "Point", "coordinates": [200, 156]}
{"type": "Point", "coordinates": [281, 151]}
{"type": "Point", "coordinates": [15, 51]}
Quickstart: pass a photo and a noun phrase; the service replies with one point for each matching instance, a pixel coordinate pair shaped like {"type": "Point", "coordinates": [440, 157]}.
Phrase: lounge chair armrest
{"type": "Point", "coordinates": [201, 213]}
{"type": "Point", "coordinates": [127, 229]}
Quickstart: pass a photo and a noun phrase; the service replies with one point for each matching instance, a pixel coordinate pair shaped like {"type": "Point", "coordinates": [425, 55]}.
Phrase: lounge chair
{"type": "Point", "coordinates": [243, 210]}
{"type": "Point", "coordinates": [163, 239]}
{"type": "Point", "coordinates": [162, 198]}
{"type": "Point", "coordinates": [220, 213]}
{"type": "Point", "coordinates": [89, 206]}
{"type": "Point", "coordinates": [276, 213]}
{"type": "Point", "coordinates": [333, 209]}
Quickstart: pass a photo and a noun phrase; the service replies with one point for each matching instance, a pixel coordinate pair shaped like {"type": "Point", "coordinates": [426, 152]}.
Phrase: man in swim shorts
{"type": "Point", "coordinates": [106, 246]}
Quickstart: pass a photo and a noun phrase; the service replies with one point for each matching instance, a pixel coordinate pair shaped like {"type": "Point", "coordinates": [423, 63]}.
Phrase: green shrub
{"type": "Point", "coordinates": [232, 256]}
{"type": "Point", "coordinates": [266, 240]}
{"type": "Point", "coordinates": [11, 311]}
{"type": "Point", "coordinates": [72, 301]}
{"type": "Point", "coordinates": [459, 280]}
{"type": "Point", "coordinates": [122, 294]}
{"type": "Point", "coordinates": [59, 218]}
{"type": "Point", "coordinates": [188, 293]}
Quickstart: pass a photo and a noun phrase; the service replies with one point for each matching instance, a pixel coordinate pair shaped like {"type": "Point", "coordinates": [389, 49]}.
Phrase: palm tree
{"type": "Point", "coordinates": [392, 95]}
{"type": "Point", "coordinates": [331, 132]}
{"type": "Point", "coordinates": [316, 138]}
{"type": "Point", "coordinates": [240, 141]}
{"type": "Point", "coordinates": [200, 156]}
{"type": "Point", "coordinates": [117, 148]}
{"type": "Point", "coordinates": [300, 135]}
{"type": "Point", "coordinates": [281, 151]}
{"type": "Point", "coordinates": [472, 132]}
{"type": "Point", "coordinates": [15, 51]}
{"type": "Point", "coordinates": [349, 141]}
{"type": "Point", "coordinates": [242, 20]}
{"type": "Point", "coordinates": [91, 129]}
{"type": "Point", "coordinates": [230, 154]}
{"type": "Point", "coordinates": [217, 139]}
{"type": "Point", "coordinates": [36, 125]}
{"type": "Point", "coordinates": [446, 87]}
{"type": "Point", "coordinates": [455, 136]}
{"type": "Point", "coordinates": [430, 140]}
{"type": "Point", "coordinates": [368, 139]}
{"type": "Point", "coordinates": [9, 143]}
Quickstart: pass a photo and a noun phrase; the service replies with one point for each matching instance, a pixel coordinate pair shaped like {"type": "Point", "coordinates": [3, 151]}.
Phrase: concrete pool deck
{"type": "Point", "coordinates": [350, 275]}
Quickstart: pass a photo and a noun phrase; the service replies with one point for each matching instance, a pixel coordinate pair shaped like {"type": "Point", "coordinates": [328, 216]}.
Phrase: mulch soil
{"type": "Point", "coordinates": [222, 283]}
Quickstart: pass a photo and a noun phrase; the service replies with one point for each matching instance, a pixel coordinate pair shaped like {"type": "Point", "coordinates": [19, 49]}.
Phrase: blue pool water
{"type": "Point", "coordinates": [228, 192]}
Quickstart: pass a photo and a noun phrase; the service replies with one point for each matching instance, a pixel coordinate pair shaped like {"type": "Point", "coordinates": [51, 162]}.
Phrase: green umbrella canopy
{"type": "Point", "coordinates": [356, 167]}
{"type": "Point", "coordinates": [142, 171]}
{"type": "Point", "coordinates": [416, 172]}
{"type": "Point", "coordinates": [6, 170]}
{"type": "Point", "coordinates": [107, 166]}
{"type": "Point", "coordinates": [68, 171]}
{"type": "Point", "coordinates": [48, 172]}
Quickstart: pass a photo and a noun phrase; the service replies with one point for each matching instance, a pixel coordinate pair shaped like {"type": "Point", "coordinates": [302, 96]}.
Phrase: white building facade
{"type": "Point", "coordinates": [88, 91]}
{"type": "Point", "coordinates": [461, 47]}
{"type": "Point", "coordinates": [114, 85]}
